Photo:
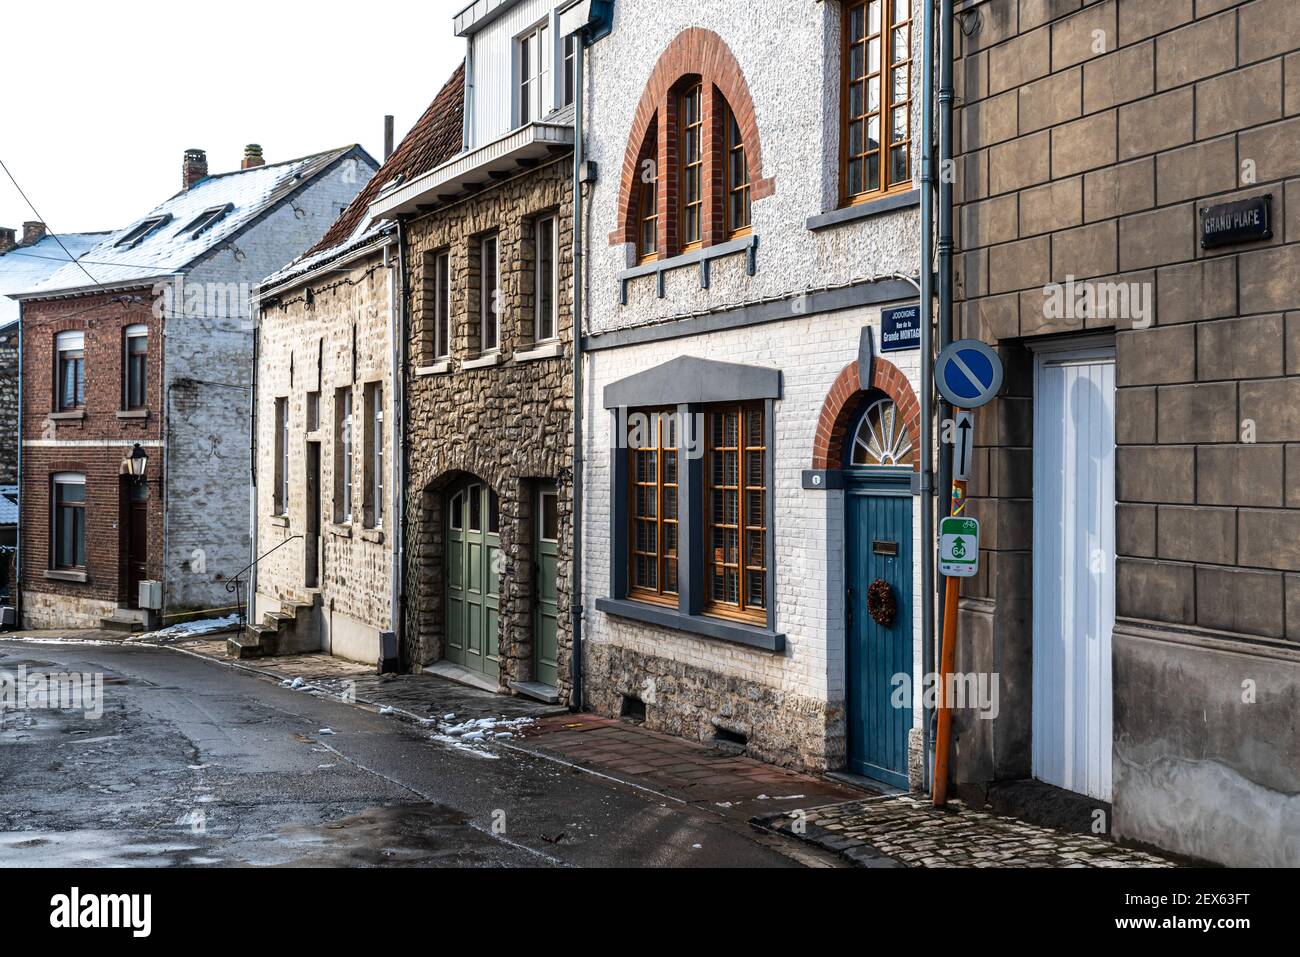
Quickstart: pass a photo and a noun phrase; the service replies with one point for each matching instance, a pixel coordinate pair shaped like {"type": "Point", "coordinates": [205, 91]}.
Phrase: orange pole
{"type": "Point", "coordinates": [947, 662]}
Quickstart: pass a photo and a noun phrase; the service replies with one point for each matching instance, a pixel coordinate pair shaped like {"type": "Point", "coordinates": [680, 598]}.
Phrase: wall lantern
{"type": "Point", "coordinates": [134, 464]}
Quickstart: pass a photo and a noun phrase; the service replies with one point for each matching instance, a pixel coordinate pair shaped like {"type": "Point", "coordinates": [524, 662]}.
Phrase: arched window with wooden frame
{"type": "Point", "coordinates": [737, 175]}
{"type": "Point", "coordinates": [691, 171]}
{"type": "Point", "coordinates": [647, 196]}
{"type": "Point", "coordinates": [876, 99]}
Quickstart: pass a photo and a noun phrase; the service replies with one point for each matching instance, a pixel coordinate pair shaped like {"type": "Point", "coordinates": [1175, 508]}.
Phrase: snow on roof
{"type": "Point", "coordinates": [8, 504]}
{"type": "Point", "coordinates": [125, 256]}
{"type": "Point", "coordinates": [26, 266]}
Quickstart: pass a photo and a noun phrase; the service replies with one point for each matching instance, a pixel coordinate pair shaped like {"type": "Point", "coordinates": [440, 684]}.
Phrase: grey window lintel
{"type": "Point", "coordinates": [696, 257]}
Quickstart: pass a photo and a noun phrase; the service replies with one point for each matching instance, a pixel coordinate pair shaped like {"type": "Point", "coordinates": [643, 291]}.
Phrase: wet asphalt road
{"type": "Point", "coordinates": [193, 763]}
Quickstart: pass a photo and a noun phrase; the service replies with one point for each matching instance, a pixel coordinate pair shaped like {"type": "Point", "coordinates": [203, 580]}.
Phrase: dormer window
{"type": "Point", "coordinates": [534, 73]}
{"type": "Point", "coordinates": [143, 231]}
{"type": "Point", "coordinates": [207, 219]}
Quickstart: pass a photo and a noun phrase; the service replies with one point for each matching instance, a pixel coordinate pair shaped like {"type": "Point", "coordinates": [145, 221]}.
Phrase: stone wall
{"type": "Point", "coordinates": [510, 424]}
{"type": "Point", "coordinates": [1092, 133]}
{"type": "Point", "coordinates": [9, 406]}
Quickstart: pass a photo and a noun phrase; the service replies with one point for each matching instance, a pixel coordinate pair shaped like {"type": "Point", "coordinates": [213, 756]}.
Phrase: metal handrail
{"type": "Point", "coordinates": [235, 585]}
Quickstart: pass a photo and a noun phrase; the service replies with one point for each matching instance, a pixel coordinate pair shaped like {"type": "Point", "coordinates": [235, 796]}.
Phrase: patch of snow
{"type": "Point", "coordinates": [188, 629]}
{"type": "Point", "coordinates": [325, 731]}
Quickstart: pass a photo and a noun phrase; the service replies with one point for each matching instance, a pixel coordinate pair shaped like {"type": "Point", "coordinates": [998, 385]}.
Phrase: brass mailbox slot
{"type": "Point", "coordinates": [885, 548]}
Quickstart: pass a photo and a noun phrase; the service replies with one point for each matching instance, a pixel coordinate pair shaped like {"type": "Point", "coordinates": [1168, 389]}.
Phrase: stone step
{"type": "Point", "coordinates": [121, 624]}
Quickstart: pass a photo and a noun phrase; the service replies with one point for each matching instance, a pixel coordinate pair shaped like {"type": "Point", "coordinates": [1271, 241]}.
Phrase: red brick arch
{"type": "Point", "coordinates": [843, 405]}
{"type": "Point", "coordinates": [693, 52]}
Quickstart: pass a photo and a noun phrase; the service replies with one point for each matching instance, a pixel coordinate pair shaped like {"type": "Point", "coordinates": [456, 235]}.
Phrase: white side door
{"type": "Point", "coordinates": [1074, 568]}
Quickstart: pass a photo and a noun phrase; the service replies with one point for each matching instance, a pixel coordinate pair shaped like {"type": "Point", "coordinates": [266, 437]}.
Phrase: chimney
{"type": "Point", "coordinates": [253, 156]}
{"type": "Point", "coordinates": [195, 167]}
{"type": "Point", "coordinates": [33, 232]}
{"type": "Point", "coordinates": [7, 241]}
{"type": "Point", "coordinates": [388, 137]}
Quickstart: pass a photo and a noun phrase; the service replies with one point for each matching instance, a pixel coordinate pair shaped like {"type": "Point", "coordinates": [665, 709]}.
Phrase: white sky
{"type": "Point", "coordinates": [100, 100]}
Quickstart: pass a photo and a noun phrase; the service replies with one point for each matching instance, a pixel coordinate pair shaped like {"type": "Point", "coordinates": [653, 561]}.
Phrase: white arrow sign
{"type": "Point", "coordinates": [963, 446]}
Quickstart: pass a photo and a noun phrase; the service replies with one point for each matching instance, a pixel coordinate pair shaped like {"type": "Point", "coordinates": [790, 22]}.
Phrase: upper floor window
{"type": "Point", "coordinates": [544, 321]}
{"type": "Point", "coordinates": [374, 461]}
{"type": "Point", "coordinates": [534, 73]}
{"type": "Point", "coordinates": [489, 294]}
{"type": "Point", "coordinates": [442, 305]}
{"type": "Point", "coordinates": [570, 69]}
{"type": "Point", "coordinates": [876, 98]}
{"type": "Point", "coordinates": [737, 178]}
{"type": "Point", "coordinates": [282, 456]}
{"type": "Point", "coordinates": [69, 521]}
{"type": "Point", "coordinates": [135, 371]}
{"type": "Point", "coordinates": [343, 455]}
{"type": "Point", "coordinates": [143, 231]}
{"type": "Point", "coordinates": [70, 386]}
{"type": "Point", "coordinates": [691, 174]}
{"type": "Point", "coordinates": [647, 201]}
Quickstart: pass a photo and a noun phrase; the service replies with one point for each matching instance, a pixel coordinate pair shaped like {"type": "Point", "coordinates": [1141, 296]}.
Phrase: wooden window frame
{"type": "Point", "coordinates": [76, 513]}
{"type": "Point", "coordinates": [64, 353]}
{"type": "Point", "coordinates": [442, 304]}
{"type": "Point", "coordinates": [663, 418]}
{"type": "Point", "coordinates": [282, 456]}
{"type": "Point", "coordinates": [733, 154]}
{"type": "Point", "coordinates": [546, 224]}
{"type": "Point", "coordinates": [885, 143]}
{"type": "Point", "coordinates": [130, 360]}
{"type": "Point", "coordinates": [745, 563]}
{"type": "Point", "coordinates": [646, 212]}
{"type": "Point", "coordinates": [688, 164]}
{"type": "Point", "coordinates": [489, 297]}
{"type": "Point", "coordinates": [343, 428]}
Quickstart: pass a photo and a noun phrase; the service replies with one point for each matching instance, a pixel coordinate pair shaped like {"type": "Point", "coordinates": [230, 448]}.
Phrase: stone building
{"type": "Point", "coordinates": [136, 367]}
{"type": "Point", "coordinates": [328, 402]}
{"type": "Point", "coordinates": [487, 240]}
{"type": "Point", "coordinates": [1128, 226]}
{"type": "Point", "coordinates": [753, 258]}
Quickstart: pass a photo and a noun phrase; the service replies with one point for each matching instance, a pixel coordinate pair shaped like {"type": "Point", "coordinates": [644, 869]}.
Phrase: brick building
{"type": "Point", "coordinates": [753, 252]}
{"type": "Point", "coordinates": [328, 422]}
{"type": "Point", "coordinates": [488, 252]}
{"type": "Point", "coordinates": [1128, 240]}
{"type": "Point", "coordinates": [142, 350]}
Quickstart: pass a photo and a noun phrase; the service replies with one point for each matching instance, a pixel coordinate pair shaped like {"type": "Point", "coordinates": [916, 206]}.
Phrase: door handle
{"type": "Point", "coordinates": [850, 596]}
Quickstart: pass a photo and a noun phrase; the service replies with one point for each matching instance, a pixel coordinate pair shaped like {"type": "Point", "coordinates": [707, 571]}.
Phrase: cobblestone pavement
{"type": "Point", "coordinates": [908, 831]}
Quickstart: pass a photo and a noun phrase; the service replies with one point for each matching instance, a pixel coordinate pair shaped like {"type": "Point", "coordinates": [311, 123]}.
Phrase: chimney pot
{"type": "Point", "coordinates": [253, 156]}
{"type": "Point", "coordinates": [7, 241]}
{"type": "Point", "coordinates": [33, 232]}
{"type": "Point", "coordinates": [195, 167]}
{"type": "Point", "coordinates": [388, 137]}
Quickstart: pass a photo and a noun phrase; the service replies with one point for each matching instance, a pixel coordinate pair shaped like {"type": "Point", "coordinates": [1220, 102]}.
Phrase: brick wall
{"type": "Point", "coordinates": [1091, 133]}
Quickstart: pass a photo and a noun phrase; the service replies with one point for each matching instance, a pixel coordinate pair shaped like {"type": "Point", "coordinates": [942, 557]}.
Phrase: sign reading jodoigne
{"type": "Point", "coordinates": [1241, 222]}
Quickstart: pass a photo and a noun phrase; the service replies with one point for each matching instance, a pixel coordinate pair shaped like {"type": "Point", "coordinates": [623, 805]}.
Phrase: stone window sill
{"type": "Point", "coordinates": [133, 413]}
{"type": "Point", "coordinates": [280, 520]}
{"type": "Point", "coordinates": [438, 368]}
{"type": "Point", "coordinates": [375, 535]}
{"type": "Point", "coordinates": [696, 257]}
{"type": "Point", "coordinates": [700, 625]}
{"type": "Point", "coordinates": [545, 350]}
{"type": "Point", "coordinates": [75, 415]}
{"type": "Point", "coordinates": [341, 531]}
{"type": "Point", "coordinates": [64, 575]}
{"type": "Point", "coordinates": [855, 214]}
{"type": "Point", "coordinates": [483, 362]}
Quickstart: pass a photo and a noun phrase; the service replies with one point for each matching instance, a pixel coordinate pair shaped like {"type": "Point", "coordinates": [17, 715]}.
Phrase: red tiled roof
{"type": "Point", "coordinates": [436, 138]}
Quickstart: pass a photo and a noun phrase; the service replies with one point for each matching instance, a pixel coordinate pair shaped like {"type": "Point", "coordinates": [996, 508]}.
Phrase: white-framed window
{"type": "Point", "coordinates": [882, 438]}
{"type": "Point", "coordinates": [442, 305]}
{"type": "Point", "coordinates": [534, 73]}
{"type": "Point", "coordinates": [282, 456]}
{"type": "Point", "coordinates": [343, 455]}
{"type": "Point", "coordinates": [70, 386]}
{"type": "Point", "coordinates": [374, 461]}
{"type": "Point", "coordinates": [545, 319]}
{"type": "Point", "coordinates": [68, 520]}
{"type": "Point", "coordinates": [570, 79]}
{"type": "Point", "coordinates": [135, 367]}
{"type": "Point", "coordinates": [489, 295]}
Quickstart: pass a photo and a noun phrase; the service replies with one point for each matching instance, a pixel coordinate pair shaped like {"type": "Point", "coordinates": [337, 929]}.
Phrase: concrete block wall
{"type": "Point", "coordinates": [1092, 133]}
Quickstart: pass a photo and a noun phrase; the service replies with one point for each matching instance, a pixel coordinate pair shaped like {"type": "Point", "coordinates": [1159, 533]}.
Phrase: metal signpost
{"type": "Point", "coordinates": [968, 374]}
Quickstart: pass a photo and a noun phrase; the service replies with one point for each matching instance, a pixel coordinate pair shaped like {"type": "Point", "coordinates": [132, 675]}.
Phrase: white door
{"type": "Point", "coordinates": [1074, 568]}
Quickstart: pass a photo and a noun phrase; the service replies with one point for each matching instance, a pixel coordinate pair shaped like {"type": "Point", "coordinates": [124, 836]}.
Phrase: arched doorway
{"type": "Point", "coordinates": [473, 576]}
{"type": "Point", "coordinates": [878, 567]}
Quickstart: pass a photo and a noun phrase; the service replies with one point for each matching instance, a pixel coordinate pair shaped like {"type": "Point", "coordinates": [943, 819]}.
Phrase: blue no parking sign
{"type": "Point", "coordinates": [968, 374]}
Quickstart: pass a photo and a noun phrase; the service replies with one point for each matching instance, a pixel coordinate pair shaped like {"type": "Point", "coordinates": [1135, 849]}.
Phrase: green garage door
{"type": "Point", "coordinates": [545, 559]}
{"type": "Point", "coordinates": [473, 557]}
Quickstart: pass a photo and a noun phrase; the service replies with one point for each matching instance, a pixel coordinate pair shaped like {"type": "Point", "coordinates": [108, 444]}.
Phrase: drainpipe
{"type": "Point", "coordinates": [14, 586]}
{"type": "Point", "coordinates": [927, 375]}
{"type": "Point", "coordinates": [397, 312]}
{"type": "Point", "coordinates": [250, 606]}
{"type": "Point", "coordinates": [575, 596]}
{"type": "Point", "coordinates": [945, 237]}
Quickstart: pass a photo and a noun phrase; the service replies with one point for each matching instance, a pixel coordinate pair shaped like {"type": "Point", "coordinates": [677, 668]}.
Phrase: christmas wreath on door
{"type": "Point", "coordinates": [881, 605]}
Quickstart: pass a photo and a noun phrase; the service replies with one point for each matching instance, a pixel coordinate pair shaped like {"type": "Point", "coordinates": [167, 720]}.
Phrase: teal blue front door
{"type": "Point", "coordinates": [878, 548]}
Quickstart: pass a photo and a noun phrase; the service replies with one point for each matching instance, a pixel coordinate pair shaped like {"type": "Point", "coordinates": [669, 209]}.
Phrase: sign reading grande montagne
{"type": "Point", "coordinates": [1244, 221]}
{"type": "Point", "coordinates": [900, 328]}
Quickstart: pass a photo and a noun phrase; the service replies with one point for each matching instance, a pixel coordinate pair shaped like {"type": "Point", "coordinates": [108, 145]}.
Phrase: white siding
{"type": "Point", "coordinates": [496, 69]}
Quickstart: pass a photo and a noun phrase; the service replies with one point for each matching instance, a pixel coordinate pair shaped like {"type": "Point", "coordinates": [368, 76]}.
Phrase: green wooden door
{"type": "Point", "coordinates": [545, 561]}
{"type": "Point", "coordinates": [473, 577]}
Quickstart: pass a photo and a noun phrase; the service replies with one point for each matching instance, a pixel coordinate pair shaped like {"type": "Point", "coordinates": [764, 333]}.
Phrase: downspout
{"type": "Point", "coordinates": [927, 375]}
{"type": "Point", "coordinates": [397, 313]}
{"type": "Point", "coordinates": [946, 164]}
{"type": "Point", "coordinates": [15, 586]}
{"type": "Point", "coordinates": [575, 596]}
{"type": "Point", "coordinates": [250, 613]}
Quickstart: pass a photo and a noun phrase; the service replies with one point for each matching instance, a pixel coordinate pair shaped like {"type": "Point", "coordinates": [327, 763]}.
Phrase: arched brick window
{"type": "Point", "coordinates": [694, 162]}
